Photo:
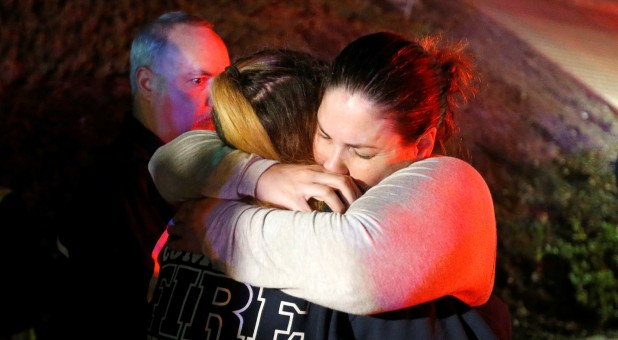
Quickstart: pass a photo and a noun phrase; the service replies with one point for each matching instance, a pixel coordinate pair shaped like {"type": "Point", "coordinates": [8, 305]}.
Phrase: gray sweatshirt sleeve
{"type": "Point", "coordinates": [424, 232]}
{"type": "Point", "coordinates": [197, 164]}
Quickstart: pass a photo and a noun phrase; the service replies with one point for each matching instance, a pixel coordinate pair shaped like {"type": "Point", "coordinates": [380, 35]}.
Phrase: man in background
{"type": "Point", "coordinates": [115, 214]}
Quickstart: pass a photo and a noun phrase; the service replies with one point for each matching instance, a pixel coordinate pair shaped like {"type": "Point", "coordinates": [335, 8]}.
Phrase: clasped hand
{"type": "Point", "coordinates": [289, 186]}
{"type": "Point", "coordinates": [292, 186]}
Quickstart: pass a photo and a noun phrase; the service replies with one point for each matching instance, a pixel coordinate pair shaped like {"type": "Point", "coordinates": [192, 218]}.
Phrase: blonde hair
{"type": "Point", "coordinates": [238, 120]}
{"type": "Point", "coordinates": [267, 104]}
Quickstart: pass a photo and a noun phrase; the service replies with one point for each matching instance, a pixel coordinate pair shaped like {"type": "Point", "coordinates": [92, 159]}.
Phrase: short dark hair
{"type": "Point", "coordinates": [151, 41]}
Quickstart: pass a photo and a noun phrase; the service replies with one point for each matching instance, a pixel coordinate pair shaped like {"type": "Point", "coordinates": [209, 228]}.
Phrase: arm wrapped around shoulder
{"type": "Point", "coordinates": [435, 235]}
{"type": "Point", "coordinates": [424, 232]}
{"type": "Point", "coordinates": [198, 164]}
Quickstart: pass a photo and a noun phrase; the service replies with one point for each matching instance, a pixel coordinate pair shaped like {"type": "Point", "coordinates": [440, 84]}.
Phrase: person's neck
{"type": "Point", "coordinates": [146, 119]}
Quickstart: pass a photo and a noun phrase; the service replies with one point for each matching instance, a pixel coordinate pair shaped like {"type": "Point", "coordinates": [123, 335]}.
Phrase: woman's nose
{"type": "Point", "coordinates": [335, 164]}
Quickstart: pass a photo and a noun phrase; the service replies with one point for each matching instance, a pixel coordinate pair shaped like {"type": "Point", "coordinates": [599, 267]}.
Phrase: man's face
{"type": "Point", "coordinates": [193, 57]}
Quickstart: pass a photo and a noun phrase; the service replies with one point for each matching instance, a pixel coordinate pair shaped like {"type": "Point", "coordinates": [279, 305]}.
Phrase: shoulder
{"type": "Point", "coordinates": [443, 176]}
{"type": "Point", "coordinates": [191, 143]}
{"type": "Point", "coordinates": [441, 168]}
{"type": "Point", "coordinates": [443, 162]}
{"type": "Point", "coordinates": [456, 183]}
{"type": "Point", "coordinates": [448, 168]}
{"type": "Point", "coordinates": [198, 135]}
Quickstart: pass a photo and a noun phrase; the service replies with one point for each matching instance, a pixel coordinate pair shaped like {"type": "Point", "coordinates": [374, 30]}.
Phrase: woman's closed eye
{"type": "Point", "coordinates": [363, 155]}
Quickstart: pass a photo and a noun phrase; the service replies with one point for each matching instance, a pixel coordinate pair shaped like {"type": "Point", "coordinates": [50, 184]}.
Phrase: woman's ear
{"type": "Point", "coordinates": [425, 143]}
{"type": "Point", "coordinates": [144, 77]}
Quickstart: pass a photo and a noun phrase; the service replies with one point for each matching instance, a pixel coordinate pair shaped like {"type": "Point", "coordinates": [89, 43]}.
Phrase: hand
{"type": "Point", "coordinates": [187, 229]}
{"type": "Point", "coordinates": [292, 186]}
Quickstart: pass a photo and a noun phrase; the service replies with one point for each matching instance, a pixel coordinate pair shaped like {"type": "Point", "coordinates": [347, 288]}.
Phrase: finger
{"type": "Point", "coordinates": [335, 205]}
{"type": "Point", "coordinates": [334, 202]}
{"type": "Point", "coordinates": [348, 191]}
{"type": "Point", "coordinates": [329, 196]}
{"type": "Point", "coordinates": [345, 186]}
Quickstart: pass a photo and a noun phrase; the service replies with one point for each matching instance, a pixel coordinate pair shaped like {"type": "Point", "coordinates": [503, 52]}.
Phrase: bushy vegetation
{"type": "Point", "coordinates": [587, 239]}
{"type": "Point", "coordinates": [558, 250]}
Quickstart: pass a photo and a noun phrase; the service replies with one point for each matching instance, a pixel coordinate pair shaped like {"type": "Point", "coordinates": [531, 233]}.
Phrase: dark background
{"type": "Point", "coordinates": [64, 84]}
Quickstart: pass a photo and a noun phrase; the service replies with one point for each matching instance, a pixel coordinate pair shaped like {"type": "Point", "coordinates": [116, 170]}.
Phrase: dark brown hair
{"type": "Point", "coordinates": [419, 84]}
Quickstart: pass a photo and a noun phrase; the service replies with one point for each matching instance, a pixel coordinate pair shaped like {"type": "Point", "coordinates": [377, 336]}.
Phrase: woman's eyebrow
{"type": "Point", "coordinates": [355, 146]}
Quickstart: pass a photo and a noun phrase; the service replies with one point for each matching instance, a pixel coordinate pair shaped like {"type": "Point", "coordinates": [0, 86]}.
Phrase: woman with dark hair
{"type": "Point", "coordinates": [421, 238]}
